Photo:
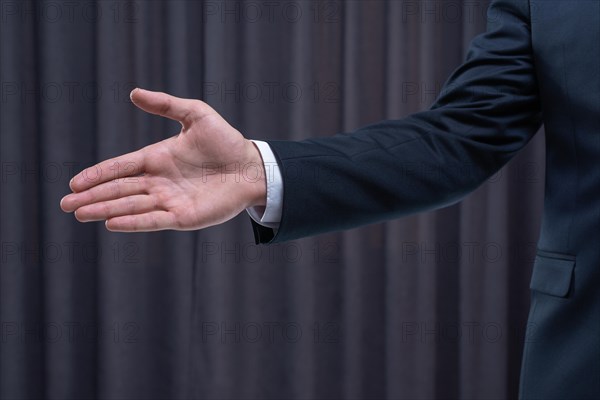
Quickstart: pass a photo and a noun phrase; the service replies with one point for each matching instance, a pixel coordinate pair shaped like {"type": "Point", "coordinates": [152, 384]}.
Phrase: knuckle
{"type": "Point", "coordinates": [198, 106]}
{"type": "Point", "coordinates": [177, 223]}
{"type": "Point", "coordinates": [130, 205]}
{"type": "Point", "coordinates": [155, 202]}
{"type": "Point", "coordinates": [165, 108]}
{"type": "Point", "coordinates": [115, 189]}
{"type": "Point", "coordinates": [195, 111]}
{"type": "Point", "coordinates": [154, 221]}
{"type": "Point", "coordinates": [106, 210]}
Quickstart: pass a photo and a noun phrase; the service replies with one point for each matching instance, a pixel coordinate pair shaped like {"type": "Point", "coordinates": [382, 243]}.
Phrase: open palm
{"type": "Point", "coordinates": [205, 175]}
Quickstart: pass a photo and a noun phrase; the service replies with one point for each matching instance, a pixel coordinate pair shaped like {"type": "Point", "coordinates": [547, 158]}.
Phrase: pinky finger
{"type": "Point", "coordinates": [148, 222]}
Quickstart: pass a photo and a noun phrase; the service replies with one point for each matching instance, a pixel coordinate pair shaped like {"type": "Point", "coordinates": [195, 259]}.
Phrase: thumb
{"type": "Point", "coordinates": [165, 105]}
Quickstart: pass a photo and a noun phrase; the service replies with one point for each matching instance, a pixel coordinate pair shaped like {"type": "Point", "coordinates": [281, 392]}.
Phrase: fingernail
{"type": "Point", "coordinates": [132, 92]}
{"type": "Point", "coordinates": [71, 183]}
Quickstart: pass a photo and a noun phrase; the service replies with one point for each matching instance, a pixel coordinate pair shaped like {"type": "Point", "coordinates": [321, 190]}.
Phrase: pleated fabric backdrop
{"type": "Point", "coordinates": [431, 306]}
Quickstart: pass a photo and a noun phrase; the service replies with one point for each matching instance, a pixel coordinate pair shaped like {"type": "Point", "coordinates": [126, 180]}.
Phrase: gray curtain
{"type": "Point", "coordinates": [430, 306]}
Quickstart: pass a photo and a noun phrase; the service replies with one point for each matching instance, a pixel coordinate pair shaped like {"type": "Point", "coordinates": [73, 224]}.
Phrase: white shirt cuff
{"type": "Point", "coordinates": [270, 215]}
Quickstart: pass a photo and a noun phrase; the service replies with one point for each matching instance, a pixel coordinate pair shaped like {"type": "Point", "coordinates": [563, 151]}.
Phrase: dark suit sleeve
{"type": "Point", "coordinates": [486, 112]}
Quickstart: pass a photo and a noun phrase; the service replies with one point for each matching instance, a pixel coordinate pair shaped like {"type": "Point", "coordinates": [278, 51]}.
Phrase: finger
{"type": "Point", "coordinates": [178, 109]}
{"type": "Point", "coordinates": [110, 190]}
{"type": "Point", "coordinates": [106, 191]}
{"type": "Point", "coordinates": [130, 205]}
{"type": "Point", "coordinates": [152, 221]}
{"type": "Point", "coordinates": [130, 164]}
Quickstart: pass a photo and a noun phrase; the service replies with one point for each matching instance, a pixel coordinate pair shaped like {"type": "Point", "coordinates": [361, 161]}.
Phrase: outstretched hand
{"type": "Point", "coordinates": [205, 175]}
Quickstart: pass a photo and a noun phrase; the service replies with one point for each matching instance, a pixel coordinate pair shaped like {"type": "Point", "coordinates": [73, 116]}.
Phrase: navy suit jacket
{"type": "Point", "coordinates": [538, 62]}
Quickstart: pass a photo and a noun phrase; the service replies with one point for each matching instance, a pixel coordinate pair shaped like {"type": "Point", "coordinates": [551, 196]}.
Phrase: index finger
{"type": "Point", "coordinates": [129, 164]}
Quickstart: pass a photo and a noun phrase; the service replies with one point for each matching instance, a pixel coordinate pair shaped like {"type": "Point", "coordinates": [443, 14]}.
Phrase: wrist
{"type": "Point", "coordinates": [256, 178]}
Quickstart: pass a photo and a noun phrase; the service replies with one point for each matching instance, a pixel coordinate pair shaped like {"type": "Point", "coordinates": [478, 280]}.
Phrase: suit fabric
{"type": "Point", "coordinates": [538, 62]}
